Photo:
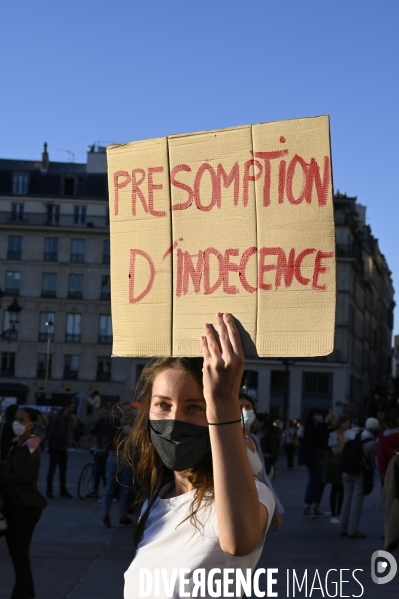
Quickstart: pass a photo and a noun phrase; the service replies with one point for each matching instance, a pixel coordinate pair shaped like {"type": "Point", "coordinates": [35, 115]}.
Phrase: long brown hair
{"type": "Point", "coordinates": [149, 472]}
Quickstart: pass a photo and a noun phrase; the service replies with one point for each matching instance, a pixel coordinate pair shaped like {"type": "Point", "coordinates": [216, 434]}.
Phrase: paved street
{"type": "Point", "coordinates": [74, 557]}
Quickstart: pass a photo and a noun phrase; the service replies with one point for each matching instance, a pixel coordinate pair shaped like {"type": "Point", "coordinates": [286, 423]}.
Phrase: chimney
{"type": "Point", "coordinates": [45, 159]}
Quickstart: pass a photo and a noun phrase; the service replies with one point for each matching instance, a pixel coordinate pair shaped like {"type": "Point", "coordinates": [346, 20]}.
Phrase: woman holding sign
{"type": "Point", "coordinates": [204, 515]}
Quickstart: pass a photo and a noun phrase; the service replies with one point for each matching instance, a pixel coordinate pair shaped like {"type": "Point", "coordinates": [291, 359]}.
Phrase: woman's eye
{"type": "Point", "coordinates": [194, 408]}
{"type": "Point", "coordinates": [161, 404]}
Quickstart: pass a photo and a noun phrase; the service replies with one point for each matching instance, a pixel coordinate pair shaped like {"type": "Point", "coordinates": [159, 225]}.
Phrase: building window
{"type": "Point", "coordinates": [51, 249]}
{"type": "Point", "coordinates": [73, 328]}
{"type": "Point", "coordinates": [105, 329]}
{"type": "Point", "coordinates": [20, 184]}
{"type": "Point", "coordinates": [75, 286]}
{"type": "Point", "coordinates": [103, 368]}
{"type": "Point", "coordinates": [14, 247]}
{"type": "Point", "coordinates": [10, 328]}
{"type": "Point", "coordinates": [46, 326]}
{"type": "Point", "coordinates": [42, 366]}
{"type": "Point", "coordinates": [71, 367]}
{"type": "Point", "coordinates": [53, 214]}
{"type": "Point", "coordinates": [105, 288]}
{"type": "Point", "coordinates": [49, 284]}
{"type": "Point", "coordinates": [317, 385]}
{"type": "Point", "coordinates": [7, 364]}
{"type": "Point", "coordinates": [13, 280]}
{"type": "Point", "coordinates": [78, 250]}
{"type": "Point", "coordinates": [17, 212]}
{"type": "Point", "coordinates": [69, 186]}
{"type": "Point", "coordinates": [79, 216]}
{"type": "Point", "coordinates": [106, 252]}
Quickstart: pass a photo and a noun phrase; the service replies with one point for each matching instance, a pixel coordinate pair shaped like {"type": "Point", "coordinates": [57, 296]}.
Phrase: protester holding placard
{"type": "Point", "coordinates": [255, 455]}
{"type": "Point", "coordinates": [204, 509]}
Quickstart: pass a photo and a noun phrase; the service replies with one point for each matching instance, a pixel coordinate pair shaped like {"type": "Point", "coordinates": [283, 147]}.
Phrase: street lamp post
{"type": "Point", "coordinates": [13, 310]}
{"type": "Point", "coordinates": [49, 324]}
{"type": "Point", "coordinates": [286, 363]}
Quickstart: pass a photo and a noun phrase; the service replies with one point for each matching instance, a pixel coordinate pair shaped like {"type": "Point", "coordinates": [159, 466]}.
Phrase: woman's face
{"type": "Point", "coordinates": [177, 396]}
{"type": "Point", "coordinates": [22, 417]}
{"type": "Point", "coordinates": [246, 405]}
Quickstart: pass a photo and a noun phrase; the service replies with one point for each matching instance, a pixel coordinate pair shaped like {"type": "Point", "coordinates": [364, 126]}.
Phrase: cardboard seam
{"type": "Point", "coordinates": [172, 254]}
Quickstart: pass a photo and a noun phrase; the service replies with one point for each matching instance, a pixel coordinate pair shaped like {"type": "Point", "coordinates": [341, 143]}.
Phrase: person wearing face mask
{"type": "Point", "coordinates": [117, 431]}
{"type": "Point", "coordinates": [22, 501]}
{"type": "Point", "coordinates": [203, 508]}
{"type": "Point", "coordinates": [312, 454]}
{"type": "Point", "coordinates": [255, 455]}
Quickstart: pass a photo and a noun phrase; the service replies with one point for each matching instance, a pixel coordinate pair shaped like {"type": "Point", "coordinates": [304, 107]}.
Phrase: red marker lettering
{"type": "Point", "coordinates": [229, 267]}
{"type": "Point", "coordinates": [183, 186]}
{"type": "Point", "coordinates": [136, 191]}
{"type": "Point", "coordinates": [132, 274]}
{"type": "Point", "coordinates": [118, 186]}
{"type": "Point", "coordinates": [152, 187]}
{"type": "Point", "coordinates": [267, 157]}
{"type": "Point", "coordinates": [208, 288]}
{"type": "Point", "coordinates": [319, 268]}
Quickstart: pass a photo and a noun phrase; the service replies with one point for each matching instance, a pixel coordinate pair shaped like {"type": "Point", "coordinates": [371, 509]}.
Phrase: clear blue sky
{"type": "Point", "coordinates": [78, 72]}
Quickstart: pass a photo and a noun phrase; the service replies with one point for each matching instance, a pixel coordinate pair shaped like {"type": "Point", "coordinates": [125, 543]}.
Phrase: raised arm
{"type": "Point", "coordinates": [241, 518]}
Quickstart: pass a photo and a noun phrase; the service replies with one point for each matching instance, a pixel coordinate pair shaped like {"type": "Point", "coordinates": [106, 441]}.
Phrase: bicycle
{"type": "Point", "coordinates": [86, 477]}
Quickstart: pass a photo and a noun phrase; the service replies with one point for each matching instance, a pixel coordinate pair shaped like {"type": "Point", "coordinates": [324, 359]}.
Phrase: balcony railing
{"type": "Point", "coordinates": [70, 375]}
{"type": "Point", "coordinates": [7, 371]}
{"type": "Point", "coordinates": [46, 336]}
{"type": "Point", "coordinates": [105, 338]}
{"type": "Point", "coordinates": [105, 296]}
{"type": "Point", "coordinates": [72, 338]}
{"type": "Point", "coordinates": [75, 294]}
{"type": "Point", "coordinates": [103, 376]}
{"type": "Point", "coordinates": [14, 255]}
{"type": "Point", "coordinates": [50, 257]}
{"type": "Point", "coordinates": [80, 258]}
{"type": "Point", "coordinates": [43, 220]}
{"type": "Point", "coordinates": [49, 293]}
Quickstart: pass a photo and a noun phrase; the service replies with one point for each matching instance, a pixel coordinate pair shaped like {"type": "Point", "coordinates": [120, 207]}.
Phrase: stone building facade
{"type": "Point", "coordinates": [54, 261]}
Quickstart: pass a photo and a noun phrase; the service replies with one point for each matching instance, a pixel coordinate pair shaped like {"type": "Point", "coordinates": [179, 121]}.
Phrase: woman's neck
{"type": "Point", "coordinates": [182, 484]}
{"type": "Point", "coordinates": [24, 437]}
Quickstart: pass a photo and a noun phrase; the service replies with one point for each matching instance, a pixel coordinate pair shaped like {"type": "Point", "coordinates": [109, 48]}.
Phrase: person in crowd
{"type": "Point", "coordinates": [95, 402]}
{"type": "Point", "coordinates": [333, 474]}
{"type": "Point", "coordinates": [269, 443]}
{"type": "Point", "coordinates": [388, 442]}
{"type": "Point", "coordinates": [204, 509]}
{"type": "Point", "coordinates": [21, 501]}
{"type": "Point", "coordinates": [115, 471]}
{"type": "Point", "coordinates": [82, 402]}
{"type": "Point", "coordinates": [289, 439]}
{"type": "Point", "coordinates": [255, 455]}
{"type": "Point", "coordinates": [312, 454]}
{"type": "Point", "coordinates": [6, 433]}
{"type": "Point", "coordinates": [353, 483]}
{"type": "Point", "coordinates": [57, 443]}
{"type": "Point", "coordinates": [104, 432]}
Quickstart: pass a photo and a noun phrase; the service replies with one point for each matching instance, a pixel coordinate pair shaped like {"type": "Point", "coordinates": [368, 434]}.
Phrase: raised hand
{"type": "Point", "coordinates": [223, 368]}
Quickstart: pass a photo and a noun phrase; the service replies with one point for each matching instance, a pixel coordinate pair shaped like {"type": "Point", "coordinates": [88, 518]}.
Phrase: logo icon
{"type": "Point", "coordinates": [381, 567]}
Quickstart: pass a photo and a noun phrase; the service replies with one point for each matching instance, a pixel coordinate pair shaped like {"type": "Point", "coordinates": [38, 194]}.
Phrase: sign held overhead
{"type": "Point", "coordinates": [236, 220]}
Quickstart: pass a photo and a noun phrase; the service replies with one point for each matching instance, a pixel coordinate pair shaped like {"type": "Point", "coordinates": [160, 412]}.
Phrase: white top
{"type": "Point", "coordinates": [172, 544]}
{"type": "Point", "coordinates": [255, 462]}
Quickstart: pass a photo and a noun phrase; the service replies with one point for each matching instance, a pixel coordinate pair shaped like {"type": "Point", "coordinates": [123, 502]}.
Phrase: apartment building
{"type": "Point", "coordinates": [56, 335]}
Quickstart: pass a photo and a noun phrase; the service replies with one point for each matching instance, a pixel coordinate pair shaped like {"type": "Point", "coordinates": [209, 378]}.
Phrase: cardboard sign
{"type": "Point", "coordinates": [235, 220]}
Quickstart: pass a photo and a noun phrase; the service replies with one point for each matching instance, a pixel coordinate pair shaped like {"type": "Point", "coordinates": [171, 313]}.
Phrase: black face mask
{"type": "Point", "coordinates": [180, 445]}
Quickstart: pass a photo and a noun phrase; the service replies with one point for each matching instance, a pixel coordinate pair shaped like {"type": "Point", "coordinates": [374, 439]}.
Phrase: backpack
{"type": "Point", "coordinates": [352, 458]}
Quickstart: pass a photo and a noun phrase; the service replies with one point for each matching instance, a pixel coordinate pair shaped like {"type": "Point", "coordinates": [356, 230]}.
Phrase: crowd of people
{"type": "Point", "coordinates": [334, 450]}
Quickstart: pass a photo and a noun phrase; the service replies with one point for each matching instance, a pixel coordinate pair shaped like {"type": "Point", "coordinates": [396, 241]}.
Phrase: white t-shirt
{"type": "Point", "coordinates": [254, 462]}
{"type": "Point", "coordinates": [169, 543]}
